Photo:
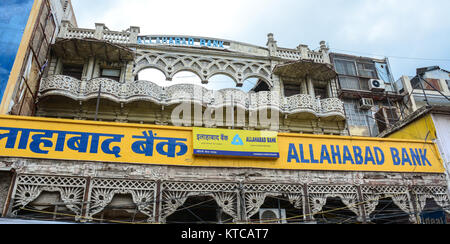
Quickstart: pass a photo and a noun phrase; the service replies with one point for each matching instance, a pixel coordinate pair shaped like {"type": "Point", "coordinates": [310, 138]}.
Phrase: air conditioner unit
{"type": "Point", "coordinates": [376, 85]}
{"type": "Point", "coordinates": [366, 103]}
{"type": "Point", "coordinates": [272, 215]}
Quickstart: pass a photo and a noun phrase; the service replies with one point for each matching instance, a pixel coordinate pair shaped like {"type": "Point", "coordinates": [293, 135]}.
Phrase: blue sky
{"type": "Point", "coordinates": [409, 32]}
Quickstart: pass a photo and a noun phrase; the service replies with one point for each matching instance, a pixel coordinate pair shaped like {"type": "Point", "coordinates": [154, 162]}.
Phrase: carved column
{"type": "Point", "coordinates": [310, 84]}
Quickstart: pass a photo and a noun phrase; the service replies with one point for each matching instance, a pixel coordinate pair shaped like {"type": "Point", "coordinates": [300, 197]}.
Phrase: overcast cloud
{"type": "Point", "coordinates": [393, 28]}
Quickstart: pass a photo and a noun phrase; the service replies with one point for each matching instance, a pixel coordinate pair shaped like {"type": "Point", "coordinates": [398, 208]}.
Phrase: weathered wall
{"type": "Point", "coordinates": [5, 184]}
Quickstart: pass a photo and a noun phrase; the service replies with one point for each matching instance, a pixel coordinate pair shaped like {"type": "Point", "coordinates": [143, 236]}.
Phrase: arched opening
{"type": "Point", "coordinates": [152, 74]}
{"type": "Point", "coordinates": [335, 212]}
{"type": "Point", "coordinates": [222, 81]}
{"type": "Point", "coordinates": [432, 213]}
{"type": "Point", "coordinates": [278, 210]}
{"type": "Point", "coordinates": [121, 209]}
{"type": "Point", "coordinates": [199, 210]}
{"type": "Point", "coordinates": [387, 212]}
{"type": "Point", "coordinates": [255, 85]}
{"type": "Point", "coordinates": [219, 82]}
{"type": "Point", "coordinates": [185, 77]}
{"type": "Point", "coordinates": [47, 207]}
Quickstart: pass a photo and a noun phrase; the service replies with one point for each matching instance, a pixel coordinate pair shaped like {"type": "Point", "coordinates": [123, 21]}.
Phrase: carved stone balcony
{"type": "Point", "coordinates": [148, 91]}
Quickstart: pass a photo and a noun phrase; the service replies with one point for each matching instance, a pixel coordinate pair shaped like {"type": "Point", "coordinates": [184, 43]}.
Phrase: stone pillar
{"type": "Point", "coordinates": [90, 68]}
{"type": "Point", "coordinates": [271, 44]}
{"type": "Point", "coordinates": [303, 87]}
{"type": "Point", "coordinates": [303, 50]}
{"type": "Point", "coordinates": [65, 24]}
{"type": "Point", "coordinates": [329, 90]}
{"type": "Point", "coordinates": [99, 29]}
{"type": "Point", "coordinates": [310, 86]}
{"type": "Point", "coordinates": [134, 32]}
{"type": "Point", "coordinates": [59, 67]}
{"type": "Point", "coordinates": [408, 90]}
{"type": "Point", "coordinates": [129, 77]}
{"type": "Point", "coordinates": [325, 52]}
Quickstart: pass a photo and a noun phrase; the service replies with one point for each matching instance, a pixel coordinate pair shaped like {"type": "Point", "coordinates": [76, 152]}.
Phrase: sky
{"type": "Point", "coordinates": [411, 33]}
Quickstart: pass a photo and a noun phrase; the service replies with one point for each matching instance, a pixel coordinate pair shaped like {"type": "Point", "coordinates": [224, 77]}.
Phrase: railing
{"type": "Point", "coordinates": [149, 91]}
{"type": "Point", "coordinates": [301, 102]}
{"type": "Point", "coordinates": [289, 54]}
{"type": "Point", "coordinates": [79, 33]}
{"type": "Point", "coordinates": [316, 57]}
{"type": "Point", "coordinates": [101, 32]}
{"type": "Point", "coordinates": [332, 105]}
{"type": "Point", "coordinates": [117, 37]}
{"type": "Point", "coordinates": [295, 54]}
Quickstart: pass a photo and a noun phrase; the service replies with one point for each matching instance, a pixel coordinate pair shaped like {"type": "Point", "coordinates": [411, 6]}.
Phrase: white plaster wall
{"type": "Point", "coordinates": [442, 124]}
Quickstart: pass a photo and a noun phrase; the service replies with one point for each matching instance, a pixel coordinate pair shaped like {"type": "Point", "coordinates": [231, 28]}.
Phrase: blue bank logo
{"type": "Point", "coordinates": [237, 141]}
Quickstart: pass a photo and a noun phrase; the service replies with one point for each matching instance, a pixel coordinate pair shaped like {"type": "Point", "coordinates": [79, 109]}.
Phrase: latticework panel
{"type": "Point", "coordinates": [103, 191]}
{"type": "Point", "coordinates": [256, 194]}
{"type": "Point", "coordinates": [30, 187]}
{"type": "Point", "coordinates": [175, 194]}
{"type": "Point", "coordinates": [399, 195]}
{"type": "Point", "coordinates": [318, 194]}
{"type": "Point", "coordinates": [438, 193]}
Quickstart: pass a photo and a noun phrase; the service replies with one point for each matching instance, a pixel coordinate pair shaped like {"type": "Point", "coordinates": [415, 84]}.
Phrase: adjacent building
{"type": "Point", "coordinates": [430, 87]}
{"type": "Point", "coordinates": [427, 106]}
{"type": "Point", "coordinates": [44, 21]}
{"type": "Point", "coordinates": [29, 28]}
{"type": "Point", "coordinates": [366, 86]}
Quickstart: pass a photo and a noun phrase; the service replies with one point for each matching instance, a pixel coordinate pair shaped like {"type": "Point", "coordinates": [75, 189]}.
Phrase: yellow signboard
{"type": "Point", "coordinates": [58, 139]}
{"type": "Point", "coordinates": [239, 143]}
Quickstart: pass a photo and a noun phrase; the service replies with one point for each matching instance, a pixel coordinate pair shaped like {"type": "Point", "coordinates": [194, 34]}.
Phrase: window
{"type": "Point", "coordinates": [355, 116]}
{"type": "Point", "coordinates": [367, 70]}
{"type": "Point", "coordinates": [291, 90]}
{"type": "Point", "coordinates": [431, 84]}
{"type": "Point", "coordinates": [344, 67]}
{"type": "Point", "coordinates": [360, 117]}
{"type": "Point", "coordinates": [349, 83]}
{"type": "Point", "coordinates": [72, 70]}
{"type": "Point", "coordinates": [386, 117]}
{"type": "Point", "coordinates": [321, 91]}
{"type": "Point", "coordinates": [426, 85]}
{"type": "Point", "coordinates": [113, 74]}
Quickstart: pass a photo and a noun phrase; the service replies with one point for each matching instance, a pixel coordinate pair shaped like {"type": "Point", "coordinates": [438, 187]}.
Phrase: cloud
{"type": "Point", "coordinates": [199, 17]}
{"type": "Point", "coordinates": [412, 28]}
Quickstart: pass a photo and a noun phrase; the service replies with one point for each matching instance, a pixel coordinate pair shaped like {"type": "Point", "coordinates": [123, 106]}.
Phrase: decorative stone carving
{"type": "Point", "coordinates": [165, 96]}
{"type": "Point", "coordinates": [398, 194]}
{"type": "Point", "coordinates": [103, 191]}
{"type": "Point", "coordinates": [318, 195]}
{"type": "Point", "coordinates": [437, 193]}
{"type": "Point", "coordinates": [175, 194]}
{"type": "Point", "coordinates": [255, 195]}
{"type": "Point", "coordinates": [332, 105]}
{"type": "Point", "coordinates": [204, 66]}
{"type": "Point", "coordinates": [30, 187]}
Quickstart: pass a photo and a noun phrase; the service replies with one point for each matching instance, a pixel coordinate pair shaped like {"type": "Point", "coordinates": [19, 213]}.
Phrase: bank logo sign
{"type": "Point", "coordinates": [236, 143]}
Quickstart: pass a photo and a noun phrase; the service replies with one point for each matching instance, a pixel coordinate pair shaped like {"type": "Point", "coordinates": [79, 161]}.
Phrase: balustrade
{"type": "Point", "coordinates": [146, 90]}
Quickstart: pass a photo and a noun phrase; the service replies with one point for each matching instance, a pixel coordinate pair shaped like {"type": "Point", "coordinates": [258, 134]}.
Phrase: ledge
{"type": "Point", "coordinates": [72, 88]}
